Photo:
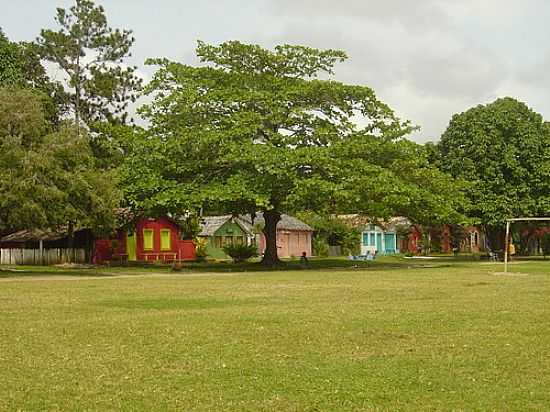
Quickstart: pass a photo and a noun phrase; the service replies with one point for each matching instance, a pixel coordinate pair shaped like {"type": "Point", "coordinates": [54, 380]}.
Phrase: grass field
{"type": "Point", "coordinates": [394, 336]}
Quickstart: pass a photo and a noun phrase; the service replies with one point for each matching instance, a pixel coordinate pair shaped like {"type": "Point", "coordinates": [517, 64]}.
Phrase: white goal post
{"type": "Point", "coordinates": [517, 219]}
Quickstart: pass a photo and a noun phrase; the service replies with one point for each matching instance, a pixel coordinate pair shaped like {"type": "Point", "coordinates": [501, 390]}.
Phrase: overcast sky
{"type": "Point", "coordinates": [427, 59]}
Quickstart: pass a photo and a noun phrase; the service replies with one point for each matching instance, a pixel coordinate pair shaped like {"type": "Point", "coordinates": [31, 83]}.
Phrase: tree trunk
{"type": "Point", "coordinates": [271, 218]}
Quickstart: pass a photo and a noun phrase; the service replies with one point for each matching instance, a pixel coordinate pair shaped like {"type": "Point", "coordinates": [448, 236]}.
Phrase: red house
{"type": "Point", "coordinates": [153, 240]}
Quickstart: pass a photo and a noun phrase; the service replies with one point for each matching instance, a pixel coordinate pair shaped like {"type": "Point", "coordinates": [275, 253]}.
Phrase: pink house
{"type": "Point", "coordinates": [293, 237]}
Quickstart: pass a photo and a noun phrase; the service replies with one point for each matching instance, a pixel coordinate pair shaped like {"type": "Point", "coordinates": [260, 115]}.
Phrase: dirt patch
{"type": "Point", "coordinates": [508, 274]}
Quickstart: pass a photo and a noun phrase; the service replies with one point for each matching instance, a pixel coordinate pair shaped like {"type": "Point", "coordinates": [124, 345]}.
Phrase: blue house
{"type": "Point", "coordinates": [374, 239]}
{"type": "Point", "coordinates": [379, 241]}
{"type": "Point", "coordinates": [378, 236]}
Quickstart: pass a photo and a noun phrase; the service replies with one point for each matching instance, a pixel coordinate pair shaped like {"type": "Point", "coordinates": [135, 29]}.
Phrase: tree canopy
{"type": "Point", "coordinates": [48, 176]}
{"type": "Point", "coordinates": [20, 67]}
{"type": "Point", "coordinates": [92, 55]}
{"type": "Point", "coordinates": [252, 130]}
{"type": "Point", "coordinates": [503, 150]}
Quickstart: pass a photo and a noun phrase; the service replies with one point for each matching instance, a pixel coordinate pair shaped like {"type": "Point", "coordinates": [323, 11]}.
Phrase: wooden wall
{"type": "Point", "coordinates": [47, 257]}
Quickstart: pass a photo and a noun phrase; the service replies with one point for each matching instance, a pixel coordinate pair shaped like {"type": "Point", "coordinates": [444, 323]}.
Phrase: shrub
{"type": "Point", "coordinates": [320, 247]}
{"type": "Point", "coordinates": [333, 232]}
{"type": "Point", "coordinates": [200, 248]}
{"type": "Point", "coordinates": [240, 253]}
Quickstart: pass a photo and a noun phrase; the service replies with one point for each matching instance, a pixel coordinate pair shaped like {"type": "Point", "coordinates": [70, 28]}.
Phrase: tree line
{"type": "Point", "coordinates": [248, 130]}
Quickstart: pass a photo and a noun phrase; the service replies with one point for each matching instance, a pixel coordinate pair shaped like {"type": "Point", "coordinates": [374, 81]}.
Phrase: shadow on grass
{"type": "Point", "coordinates": [314, 264]}
{"type": "Point", "coordinates": [45, 271]}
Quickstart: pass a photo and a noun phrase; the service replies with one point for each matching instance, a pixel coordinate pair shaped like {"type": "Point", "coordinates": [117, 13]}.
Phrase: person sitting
{"type": "Point", "coordinates": [303, 260]}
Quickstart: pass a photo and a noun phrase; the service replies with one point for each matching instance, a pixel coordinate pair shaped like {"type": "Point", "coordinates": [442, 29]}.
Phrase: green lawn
{"type": "Point", "coordinates": [393, 336]}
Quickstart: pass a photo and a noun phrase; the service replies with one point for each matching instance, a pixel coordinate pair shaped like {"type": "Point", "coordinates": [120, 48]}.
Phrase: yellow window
{"type": "Point", "coordinates": [165, 239]}
{"type": "Point", "coordinates": [148, 239]}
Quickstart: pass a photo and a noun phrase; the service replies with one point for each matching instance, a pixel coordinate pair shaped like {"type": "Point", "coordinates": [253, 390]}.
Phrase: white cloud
{"type": "Point", "coordinates": [427, 59]}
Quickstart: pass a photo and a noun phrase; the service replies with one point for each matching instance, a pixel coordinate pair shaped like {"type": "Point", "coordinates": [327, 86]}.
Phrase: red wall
{"type": "Point", "coordinates": [157, 225]}
{"type": "Point", "coordinates": [179, 250]}
{"type": "Point", "coordinates": [446, 239]}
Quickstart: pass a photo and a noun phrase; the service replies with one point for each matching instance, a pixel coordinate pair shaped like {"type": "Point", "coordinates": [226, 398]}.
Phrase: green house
{"type": "Point", "coordinates": [223, 230]}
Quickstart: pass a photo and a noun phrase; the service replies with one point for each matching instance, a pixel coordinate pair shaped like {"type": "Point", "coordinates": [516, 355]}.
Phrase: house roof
{"type": "Point", "coordinates": [34, 236]}
{"type": "Point", "coordinates": [213, 223]}
{"type": "Point", "coordinates": [357, 221]}
{"type": "Point", "coordinates": [287, 222]}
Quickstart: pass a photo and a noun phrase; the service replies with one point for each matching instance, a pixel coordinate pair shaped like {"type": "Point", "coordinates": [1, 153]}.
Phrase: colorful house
{"type": "Point", "coordinates": [377, 237]}
{"type": "Point", "coordinates": [400, 235]}
{"type": "Point", "coordinates": [375, 240]}
{"type": "Point", "coordinates": [152, 240]}
{"type": "Point", "coordinates": [293, 236]}
{"type": "Point", "coordinates": [225, 230]}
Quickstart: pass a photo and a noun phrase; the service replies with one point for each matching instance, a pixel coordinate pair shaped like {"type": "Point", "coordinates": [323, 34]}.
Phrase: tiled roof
{"type": "Point", "coordinates": [213, 223]}
{"type": "Point", "coordinates": [33, 236]}
{"type": "Point", "coordinates": [287, 222]}
{"type": "Point", "coordinates": [358, 221]}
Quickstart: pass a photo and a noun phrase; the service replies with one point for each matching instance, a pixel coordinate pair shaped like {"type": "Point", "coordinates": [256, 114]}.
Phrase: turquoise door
{"type": "Point", "coordinates": [389, 240]}
{"type": "Point", "coordinates": [379, 243]}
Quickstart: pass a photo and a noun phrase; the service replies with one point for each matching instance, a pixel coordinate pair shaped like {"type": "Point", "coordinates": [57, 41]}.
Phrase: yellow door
{"type": "Point", "coordinates": [131, 246]}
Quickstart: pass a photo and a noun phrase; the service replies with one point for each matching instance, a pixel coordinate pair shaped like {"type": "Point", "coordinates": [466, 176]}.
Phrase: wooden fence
{"type": "Point", "coordinates": [47, 257]}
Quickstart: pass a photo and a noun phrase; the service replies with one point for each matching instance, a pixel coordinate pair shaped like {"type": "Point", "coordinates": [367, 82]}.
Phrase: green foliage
{"type": "Point", "coordinates": [252, 129]}
{"type": "Point", "coordinates": [48, 176]}
{"type": "Point", "coordinates": [458, 234]}
{"type": "Point", "coordinates": [503, 150]}
{"type": "Point", "coordinates": [320, 247]}
{"type": "Point", "coordinates": [190, 227]}
{"type": "Point", "coordinates": [21, 68]}
{"type": "Point", "coordinates": [201, 248]}
{"type": "Point", "coordinates": [92, 55]}
{"type": "Point", "coordinates": [20, 65]}
{"type": "Point", "coordinates": [333, 231]}
{"type": "Point", "coordinates": [241, 252]}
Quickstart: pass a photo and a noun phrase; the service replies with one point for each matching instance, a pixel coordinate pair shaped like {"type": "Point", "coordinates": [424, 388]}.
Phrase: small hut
{"type": "Point", "coordinates": [45, 247]}
{"type": "Point", "coordinates": [220, 231]}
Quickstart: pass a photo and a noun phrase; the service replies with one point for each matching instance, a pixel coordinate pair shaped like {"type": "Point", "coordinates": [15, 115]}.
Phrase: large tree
{"type": "Point", "coordinates": [503, 150]}
{"type": "Point", "coordinates": [257, 130]}
{"type": "Point", "coordinates": [48, 175]}
{"type": "Point", "coordinates": [20, 67]}
{"type": "Point", "coordinates": [92, 55]}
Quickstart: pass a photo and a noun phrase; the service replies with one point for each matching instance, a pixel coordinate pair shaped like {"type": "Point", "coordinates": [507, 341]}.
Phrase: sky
{"type": "Point", "coordinates": [427, 59]}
